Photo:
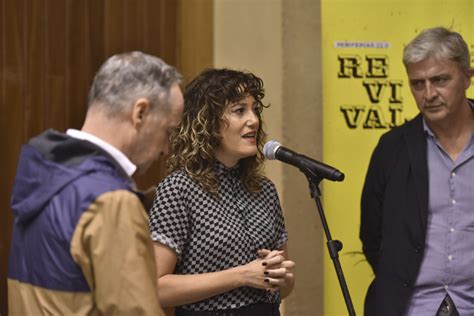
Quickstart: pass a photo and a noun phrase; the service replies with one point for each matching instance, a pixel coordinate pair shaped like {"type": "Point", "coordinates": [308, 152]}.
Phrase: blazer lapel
{"type": "Point", "coordinates": [416, 144]}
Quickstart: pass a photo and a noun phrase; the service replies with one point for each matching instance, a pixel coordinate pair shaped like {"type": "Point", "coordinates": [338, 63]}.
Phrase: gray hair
{"type": "Point", "coordinates": [124, 78]}
{"type": "Point", "coordinates": [438, 43]}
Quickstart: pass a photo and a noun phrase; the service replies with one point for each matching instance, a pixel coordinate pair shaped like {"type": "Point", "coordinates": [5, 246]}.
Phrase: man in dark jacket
{"type": "Point", "coordinates": [417, 223]}
{"type": "Point", "coordinates": [80, 241]}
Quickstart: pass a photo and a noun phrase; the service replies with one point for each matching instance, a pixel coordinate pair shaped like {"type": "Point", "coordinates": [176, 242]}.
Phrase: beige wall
{"type": "Point", "coordinates": [279, 41]}
{"type": "Point", "coordinates": [302, 131]}
{"type": "Point", "coordinates": [195, 37]}
{"type": "Point", "coordinates": [248, 36]}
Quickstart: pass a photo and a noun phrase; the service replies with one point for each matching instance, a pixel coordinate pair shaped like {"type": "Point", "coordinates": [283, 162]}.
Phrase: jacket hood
{"type": "Point", "coordinates": [47, 164]}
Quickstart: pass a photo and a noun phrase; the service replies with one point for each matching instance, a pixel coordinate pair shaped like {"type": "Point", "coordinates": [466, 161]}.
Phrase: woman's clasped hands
{"type": "Point", "coordinates": [278, 270]}
{"type": "Point", "coordinates": [271, 271]}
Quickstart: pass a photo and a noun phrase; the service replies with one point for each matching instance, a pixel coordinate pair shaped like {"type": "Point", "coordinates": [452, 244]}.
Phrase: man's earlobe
{"type": "Point", "coordinates": [470, 73]}
{"type": "Point", "coordinates": [139, 110]}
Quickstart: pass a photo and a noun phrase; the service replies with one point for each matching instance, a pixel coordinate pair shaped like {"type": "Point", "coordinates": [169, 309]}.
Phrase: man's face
{"type": "Point", "coordinates": [154, 137]}
{"type": "Point", "coordinates": [439, 88]}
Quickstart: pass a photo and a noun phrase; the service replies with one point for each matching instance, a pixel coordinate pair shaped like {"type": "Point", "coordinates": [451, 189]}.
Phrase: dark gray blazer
{"type": "Point", "coordinates": [394, 217]}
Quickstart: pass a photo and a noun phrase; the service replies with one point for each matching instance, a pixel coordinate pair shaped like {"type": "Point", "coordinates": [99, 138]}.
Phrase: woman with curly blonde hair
{"type": "Point", "coordinates": [219, 233]}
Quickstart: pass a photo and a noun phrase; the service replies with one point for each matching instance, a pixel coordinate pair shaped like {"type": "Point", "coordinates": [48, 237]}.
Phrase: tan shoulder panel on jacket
{"type": "Point", "coordinates": [112, 245]}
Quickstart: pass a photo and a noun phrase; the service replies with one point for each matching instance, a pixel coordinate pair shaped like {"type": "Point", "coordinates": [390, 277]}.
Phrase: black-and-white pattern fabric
{"type": "Point", "coordinates": [210, 234]}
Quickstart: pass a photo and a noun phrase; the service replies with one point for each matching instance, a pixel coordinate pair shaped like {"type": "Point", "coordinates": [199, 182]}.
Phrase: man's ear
{"type": "Point", "coordinates": [469, 75]}
{"type": "Point", "coordinates": [140, 110]}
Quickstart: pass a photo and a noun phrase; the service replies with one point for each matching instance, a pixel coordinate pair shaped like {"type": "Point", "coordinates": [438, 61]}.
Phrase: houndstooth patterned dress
{"type": "Point", "coordinates": [210, 234]}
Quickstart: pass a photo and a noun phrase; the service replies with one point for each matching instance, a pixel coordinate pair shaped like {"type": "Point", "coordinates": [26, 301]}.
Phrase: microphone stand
{"type": "Point", "coordinates": [334, 246]}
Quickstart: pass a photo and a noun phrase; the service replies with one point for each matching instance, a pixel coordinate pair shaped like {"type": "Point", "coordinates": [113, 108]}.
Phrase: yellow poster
{"type": "Point", "coordinates": [365, 93]}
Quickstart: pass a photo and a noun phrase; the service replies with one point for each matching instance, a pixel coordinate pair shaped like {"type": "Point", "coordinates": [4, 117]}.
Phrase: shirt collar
{"type": "Point", "coordinates": [428, 130]}
{"type": "Point", "coordinates": [122, 160]}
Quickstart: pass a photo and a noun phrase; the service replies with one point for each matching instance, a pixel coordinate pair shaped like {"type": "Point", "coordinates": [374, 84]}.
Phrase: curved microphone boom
{"type": "Point", "coordinates": [274, 150]}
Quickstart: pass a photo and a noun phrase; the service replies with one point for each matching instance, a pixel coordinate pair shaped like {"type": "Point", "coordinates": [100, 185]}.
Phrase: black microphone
{"type": "Point", "coordinates": [274, 150]}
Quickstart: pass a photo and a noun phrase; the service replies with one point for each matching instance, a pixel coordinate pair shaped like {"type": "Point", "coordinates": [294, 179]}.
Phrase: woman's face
{"type": "Point", "coordinates": [239, 131]}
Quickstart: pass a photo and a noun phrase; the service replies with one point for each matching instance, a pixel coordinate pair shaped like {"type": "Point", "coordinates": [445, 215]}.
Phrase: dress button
{"type": "Point", "coordinates": [405, 284]}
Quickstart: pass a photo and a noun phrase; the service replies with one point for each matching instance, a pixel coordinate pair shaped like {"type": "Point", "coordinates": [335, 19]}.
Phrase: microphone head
{"type": "Point", "coordinates": [270, 148]}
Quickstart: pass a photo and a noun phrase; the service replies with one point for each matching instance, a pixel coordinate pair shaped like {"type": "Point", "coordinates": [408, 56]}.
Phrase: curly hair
{"type": "Point", "coordinates": [193, 144]}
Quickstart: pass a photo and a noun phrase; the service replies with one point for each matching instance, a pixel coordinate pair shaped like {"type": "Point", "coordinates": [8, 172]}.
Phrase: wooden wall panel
{"type": "Point", "coordinates": [49, 53]}
{"type": "Point", "coordinates": [3, 107]}
{"type": "Point", "coordinates": [34, 100]}
{"type": "Point", "coordinates": [56, 67]}
{"type": "Point", "coordinates": [95, 15]}
{"type": "Point", "coordinates": [167, 33]}
{"type": "Point", "coordinates": [114, 23]}
{"type": "Point", "coordinates": [13, 73]}
{"type": "Point", "coordinates": [151, 30]}
{"type": "Point", "coordinates": [84, 54]}
{"type": "Point", "coordinates": [133, 34]}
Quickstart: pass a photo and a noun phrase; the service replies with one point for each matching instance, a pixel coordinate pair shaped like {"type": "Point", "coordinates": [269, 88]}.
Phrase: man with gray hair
{"type": "Point", "coordinates": [417, 223]}
{"type": "Point", "coordinates": [81, 243]}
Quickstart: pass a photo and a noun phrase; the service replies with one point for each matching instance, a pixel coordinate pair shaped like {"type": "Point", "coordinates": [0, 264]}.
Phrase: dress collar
{"type": "Point", "coordinates": [221, 169]}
